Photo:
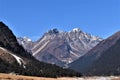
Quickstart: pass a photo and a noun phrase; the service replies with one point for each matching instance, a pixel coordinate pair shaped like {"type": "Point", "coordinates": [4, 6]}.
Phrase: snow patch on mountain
{"type": "Point", "coordinates": [26, 43]}
{"type": "Point", "coordinates": [76, 30]}
{"type": "Point", "coordinates": [18, 59]}
{"type": "Point", "coordinates": [74, 53]}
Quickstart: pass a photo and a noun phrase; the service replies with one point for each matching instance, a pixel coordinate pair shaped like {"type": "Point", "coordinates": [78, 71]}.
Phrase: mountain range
{"type": "Point", "coordinates": [102, 60]}
{"type": "Point", "coordinates": [60, 47]}
{"type": "Point", "coordinates": [77, 50]}
{"type": "Point", "coordinates": [80, 51]}
{"type": "Point", "coordinates": [15, 59]}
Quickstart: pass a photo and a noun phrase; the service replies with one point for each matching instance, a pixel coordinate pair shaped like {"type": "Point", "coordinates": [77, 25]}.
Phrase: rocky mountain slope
{"type": "Point", "coordinates": [62, 48]}
{"type": "Point", "coordinates": [26, 42]}
{"type": "Point", "coordinates": [7, 39]}
{"type": "Point", "coordinates": [13, 58]}
{"type": "Point", "coordinates": [101, 60]}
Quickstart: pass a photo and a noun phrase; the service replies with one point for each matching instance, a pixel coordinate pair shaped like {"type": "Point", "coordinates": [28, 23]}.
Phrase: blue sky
{"type": "Point", "coordinates": [33, 18]}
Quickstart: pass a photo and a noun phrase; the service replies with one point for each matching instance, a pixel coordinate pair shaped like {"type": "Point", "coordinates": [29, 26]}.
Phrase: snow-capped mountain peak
{"type": "Point", "coordinates": [63, 47]}
{"type": "Point", "coordinates": [26, 43]}
{"type": "Point", "coordinates": [26, 39]}
{"type": "Point", "coordinates": [76, 30]}
{"type": "Point", "coordinates": [60, 47]}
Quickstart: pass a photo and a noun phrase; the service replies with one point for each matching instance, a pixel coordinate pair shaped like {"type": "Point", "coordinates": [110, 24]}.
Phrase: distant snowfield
{"type": "Point", "coordinates": [18, 77]}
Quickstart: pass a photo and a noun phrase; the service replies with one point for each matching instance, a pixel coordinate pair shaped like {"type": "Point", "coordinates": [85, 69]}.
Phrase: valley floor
{"type": "Point", "coordinates": [18, 77]}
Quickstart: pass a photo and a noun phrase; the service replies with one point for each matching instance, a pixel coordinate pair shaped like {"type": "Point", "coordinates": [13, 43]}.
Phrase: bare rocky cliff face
{"type": "Point", "coordinates": [61, 48]}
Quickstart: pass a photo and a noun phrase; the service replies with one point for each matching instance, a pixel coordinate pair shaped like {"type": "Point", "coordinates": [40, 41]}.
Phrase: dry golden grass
{"type": "Point", "coordinates": [20, 77]}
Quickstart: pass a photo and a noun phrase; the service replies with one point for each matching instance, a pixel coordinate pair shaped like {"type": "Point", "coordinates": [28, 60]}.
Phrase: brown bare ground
{"type": "Point", "coordinates": [20, 77]}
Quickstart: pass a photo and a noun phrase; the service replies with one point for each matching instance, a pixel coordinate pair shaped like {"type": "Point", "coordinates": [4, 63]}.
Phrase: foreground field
{"type": "Point", "coordinates": [18, 77]}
